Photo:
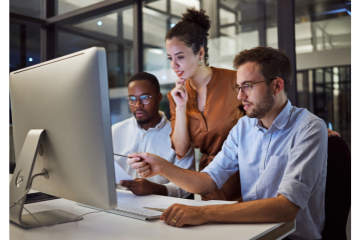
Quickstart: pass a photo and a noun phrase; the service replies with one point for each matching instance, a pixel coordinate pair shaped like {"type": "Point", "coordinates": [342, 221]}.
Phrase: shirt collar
{"type": "Point", "coordinates": [280, 121]}
{"type": "Point", "coordinates": [283, 118]}
{"type": "Point", "coordinates": [160, 125]}
{"type": "Point", "coordinates": [192, 94]}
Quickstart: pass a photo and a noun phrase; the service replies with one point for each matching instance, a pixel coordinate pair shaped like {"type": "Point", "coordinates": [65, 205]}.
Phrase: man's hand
{"type": "Point", "coordinates": [178, 215]}
{"type": "Point", "coordinates": [146, 164]}
{"type": "Point", "coordinates": [141, 187]}
{"type": "Point", "coordinates": [149, 165]}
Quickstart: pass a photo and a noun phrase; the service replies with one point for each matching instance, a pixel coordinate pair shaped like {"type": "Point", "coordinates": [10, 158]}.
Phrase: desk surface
{"type": "Point", "coordinates": [102, 225]}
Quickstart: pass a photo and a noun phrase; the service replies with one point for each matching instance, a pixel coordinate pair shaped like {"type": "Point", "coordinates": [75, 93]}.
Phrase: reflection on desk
{"type": "Point", "coordinates": [103, 225]}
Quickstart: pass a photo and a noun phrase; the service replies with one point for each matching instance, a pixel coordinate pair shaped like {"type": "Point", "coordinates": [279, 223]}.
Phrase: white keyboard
{"type": "Point", "coordinates": [135, 212]}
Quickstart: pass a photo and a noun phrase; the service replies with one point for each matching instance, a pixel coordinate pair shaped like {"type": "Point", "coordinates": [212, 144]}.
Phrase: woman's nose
{"type": "Point", "coordinates": [174, 65]}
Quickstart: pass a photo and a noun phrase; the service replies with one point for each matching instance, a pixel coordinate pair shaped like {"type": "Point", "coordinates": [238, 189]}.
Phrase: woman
{"type": "Point", "coordinates": [203, 106]}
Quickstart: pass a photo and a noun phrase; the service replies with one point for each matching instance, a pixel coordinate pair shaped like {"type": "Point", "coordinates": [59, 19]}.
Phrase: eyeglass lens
{"type": "Point", "coordinates": [144, 99]}
{"type": "Point", "coordinates": [245, 89]}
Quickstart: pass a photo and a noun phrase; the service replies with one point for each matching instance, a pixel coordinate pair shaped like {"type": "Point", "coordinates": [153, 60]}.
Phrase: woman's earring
{"type": "Point", "coordinates": [199, 63]}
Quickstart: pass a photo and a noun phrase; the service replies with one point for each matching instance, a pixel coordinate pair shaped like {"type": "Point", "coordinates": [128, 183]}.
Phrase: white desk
{"type": "Point", "coordinates": [110, 226]}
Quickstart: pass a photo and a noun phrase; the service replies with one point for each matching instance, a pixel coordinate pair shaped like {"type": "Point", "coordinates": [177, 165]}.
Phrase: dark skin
{"type": "Point", "coordinates": [147, 116]}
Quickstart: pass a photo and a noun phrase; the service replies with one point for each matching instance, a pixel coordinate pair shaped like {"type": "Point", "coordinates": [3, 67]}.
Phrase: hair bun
{"type": "Point", "coordinates": [198, 17]}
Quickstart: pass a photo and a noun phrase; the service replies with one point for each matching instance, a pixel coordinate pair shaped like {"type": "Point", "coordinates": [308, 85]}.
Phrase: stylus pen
{"type": "Point", "coordinates": [120, 155]}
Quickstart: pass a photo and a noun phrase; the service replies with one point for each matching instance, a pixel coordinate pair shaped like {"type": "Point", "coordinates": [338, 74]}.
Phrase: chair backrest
{"type": "Point", "coordinates": [338, 189]}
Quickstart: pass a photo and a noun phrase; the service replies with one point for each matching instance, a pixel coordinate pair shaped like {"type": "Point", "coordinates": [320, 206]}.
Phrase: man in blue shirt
{"type": "Point", "coordinates": [280, 151]}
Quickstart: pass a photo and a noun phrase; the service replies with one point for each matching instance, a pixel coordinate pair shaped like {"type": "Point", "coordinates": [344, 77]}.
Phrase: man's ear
{"type": "Point", "coordinates": [160, 96]}
{"type": "Point", "coordinates": [278, 85]}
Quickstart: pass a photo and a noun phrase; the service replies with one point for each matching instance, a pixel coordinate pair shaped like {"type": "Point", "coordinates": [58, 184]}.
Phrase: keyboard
{"type": "Point", "coordinates": [135, 212]}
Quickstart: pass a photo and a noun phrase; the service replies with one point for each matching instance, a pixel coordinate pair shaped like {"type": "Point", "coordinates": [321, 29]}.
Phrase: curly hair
{"type": "Point", "coordinates": [193, 31]}
{"type": "Point", "coordinates": [272, 63]}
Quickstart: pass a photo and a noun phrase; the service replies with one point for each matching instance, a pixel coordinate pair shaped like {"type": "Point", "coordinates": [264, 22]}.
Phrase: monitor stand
{"type": "Point", "coordinates": [21, 181]}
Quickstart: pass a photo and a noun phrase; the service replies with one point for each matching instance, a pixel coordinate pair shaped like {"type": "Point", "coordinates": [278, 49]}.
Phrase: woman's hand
{"type": "Point", "coordinates": [179, 93]}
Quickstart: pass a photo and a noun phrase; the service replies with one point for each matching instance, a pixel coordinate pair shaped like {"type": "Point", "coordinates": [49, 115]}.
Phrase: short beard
{"type": "Point", "coordinates": [264, 106]}
{"type": "Point", "coordinates": [142, 122]}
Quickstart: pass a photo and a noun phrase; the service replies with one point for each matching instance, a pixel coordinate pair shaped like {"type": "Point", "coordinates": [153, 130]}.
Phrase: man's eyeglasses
{"type": "Point", "coordinates": [246, 88]}
{"type": "Point", "coordinates": [145, 99]}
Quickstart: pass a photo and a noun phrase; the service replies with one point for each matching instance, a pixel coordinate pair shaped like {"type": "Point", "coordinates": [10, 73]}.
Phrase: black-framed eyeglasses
{"type": "Point", "coordinates": [145, 99]}
{"type": "Point", "coordinates": [246, 88]}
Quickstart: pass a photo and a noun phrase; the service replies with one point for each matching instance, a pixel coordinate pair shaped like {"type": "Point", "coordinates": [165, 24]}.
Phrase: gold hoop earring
{"type": "Point", "coordinates": [199, 63]}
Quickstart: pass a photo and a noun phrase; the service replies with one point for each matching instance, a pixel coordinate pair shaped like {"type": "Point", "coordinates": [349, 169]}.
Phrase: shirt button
{"type": "Point", "coordinates": [263, 160]}
{"type": "Point", "coordinates": [268, 136]}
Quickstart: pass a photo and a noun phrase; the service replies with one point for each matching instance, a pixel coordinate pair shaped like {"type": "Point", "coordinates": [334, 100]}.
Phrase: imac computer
{"type": "Point", "coordinates": [62, 131]}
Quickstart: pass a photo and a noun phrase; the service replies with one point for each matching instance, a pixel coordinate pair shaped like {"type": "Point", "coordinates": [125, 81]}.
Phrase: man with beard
{"type": "Point", "coordinates": [280, 151]}
{"type": "Point", "coordinates": [148, 131]}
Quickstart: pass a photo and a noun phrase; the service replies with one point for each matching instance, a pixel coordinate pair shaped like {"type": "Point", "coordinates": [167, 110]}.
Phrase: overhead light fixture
{"type": "Point", "coordinates": [30, 59]}
{"type": "Point", "coordinates": [173, 25]}
{"type": "Point", "coordinates": [164, 77]}
{"type": "Point", "coordinates": [99, 23]}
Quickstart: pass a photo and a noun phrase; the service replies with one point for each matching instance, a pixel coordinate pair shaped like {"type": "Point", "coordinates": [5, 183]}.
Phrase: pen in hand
{"type": "Point", "coordinates": [120, 155]}
{"type": "Point", "coordinates": [137, 176]}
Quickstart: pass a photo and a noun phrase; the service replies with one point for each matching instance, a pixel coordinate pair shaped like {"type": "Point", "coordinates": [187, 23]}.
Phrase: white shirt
{"type": "Point", "coordinates": [130, 137]}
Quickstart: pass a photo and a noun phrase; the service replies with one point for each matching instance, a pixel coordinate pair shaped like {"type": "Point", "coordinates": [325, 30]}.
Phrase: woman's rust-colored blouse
{"type": "Point", "coordinates": [209, 130]}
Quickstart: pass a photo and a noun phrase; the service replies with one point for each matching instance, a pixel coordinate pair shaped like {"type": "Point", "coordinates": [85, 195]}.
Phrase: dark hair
{"type": "Point", "coordinates": [272, 63]}
{"type": "Point", "coordinates": [192, 30]}
{"type": "Point", "coordinates": [148, 77]}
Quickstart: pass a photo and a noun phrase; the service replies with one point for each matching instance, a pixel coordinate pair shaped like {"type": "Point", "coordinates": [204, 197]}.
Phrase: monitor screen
{"type": "Point", "coordinates": [68, 97]}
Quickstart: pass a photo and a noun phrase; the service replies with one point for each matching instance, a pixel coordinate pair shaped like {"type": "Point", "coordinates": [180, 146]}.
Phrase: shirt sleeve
{"type": "Point", "coordinates": [173, 114]}
{"type": "Point", "coordinates": [307, 163]}
{"type": "Point", "coordinates": [187, 162]}
{"type": "Point", "coordinates": [225, 162]}
{"type": "Point", "coordinates": [172, 118]}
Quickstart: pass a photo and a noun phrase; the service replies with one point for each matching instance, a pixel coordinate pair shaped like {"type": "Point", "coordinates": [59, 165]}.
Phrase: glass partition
{"type": "Point", "coordinates": [114, 32]}
{"type": "Point", "coordinates": [64, 6]}
{"type": "Point", "coordinates": [24, 46]}
{"type": "Point", "coordinates": [323, 51]}
{"type": "Point", "coordinates": [322, 26]}
{"type": "Point", "coordinates": [31, 8]}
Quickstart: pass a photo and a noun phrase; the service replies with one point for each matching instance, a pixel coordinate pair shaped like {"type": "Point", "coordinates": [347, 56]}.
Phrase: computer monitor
{"type": "Point", "coordinates": [61, 123]}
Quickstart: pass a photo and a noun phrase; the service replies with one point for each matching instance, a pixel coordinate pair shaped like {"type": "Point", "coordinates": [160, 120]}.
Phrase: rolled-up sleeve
{"type": "Point", "coordinates": [225, 162]}
{"type": "Point", "coordinates": [306, 164]}
{"type": "Point", "coordinates": [173, 115]}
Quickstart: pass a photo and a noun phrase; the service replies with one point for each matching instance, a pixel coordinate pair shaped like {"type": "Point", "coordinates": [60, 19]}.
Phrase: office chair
{"type": "Point", "coordinates": [338, 189]}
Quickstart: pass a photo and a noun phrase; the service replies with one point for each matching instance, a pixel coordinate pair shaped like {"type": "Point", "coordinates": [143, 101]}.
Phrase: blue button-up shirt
{"type": "Point", "coordinates": [289, 158]}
